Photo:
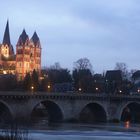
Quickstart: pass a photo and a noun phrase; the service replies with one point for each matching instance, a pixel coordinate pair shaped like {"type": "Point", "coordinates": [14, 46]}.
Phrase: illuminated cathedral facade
{"type": "Point", "coordinates": [26, 58]}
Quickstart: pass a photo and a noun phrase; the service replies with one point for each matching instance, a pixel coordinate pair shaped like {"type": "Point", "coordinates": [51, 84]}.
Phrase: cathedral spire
{"type": "Point", "coordinates": [35, 38]}
{"type": "Point", "coordinates": [23, 38]}
{"type": "Point", "coordinates": [6, 38]}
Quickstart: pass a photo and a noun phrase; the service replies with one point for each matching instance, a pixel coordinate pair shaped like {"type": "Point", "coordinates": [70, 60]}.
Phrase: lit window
{"type": "Point", "coordinates": [4, 72]}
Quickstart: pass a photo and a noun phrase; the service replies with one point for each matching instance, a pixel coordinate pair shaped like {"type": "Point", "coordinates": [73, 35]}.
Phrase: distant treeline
{"type": "Point", "coordinates": [81, 79]}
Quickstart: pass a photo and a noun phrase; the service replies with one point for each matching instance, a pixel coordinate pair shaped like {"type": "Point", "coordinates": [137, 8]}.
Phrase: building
{"type": "Point", "coordinates": [7, 56]}
{"type": "Point", "coordinates": [98, 83]}
{"type": "Point", "coordinates": [136, 77]}
{"type": "Point", "coordinates": [27, 57]}
{"type": "Point", "coordinates": [113, 80]}
{"type": "Point", "coordinates": [136, 81]}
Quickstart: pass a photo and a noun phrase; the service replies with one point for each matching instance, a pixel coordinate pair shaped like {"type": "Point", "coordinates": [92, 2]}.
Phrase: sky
{"type": "Point", "coordinates": [104, 31]}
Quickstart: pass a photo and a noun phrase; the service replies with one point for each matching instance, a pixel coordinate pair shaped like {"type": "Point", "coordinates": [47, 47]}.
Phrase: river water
{"type": "Point", "coordinates": [85, 132]}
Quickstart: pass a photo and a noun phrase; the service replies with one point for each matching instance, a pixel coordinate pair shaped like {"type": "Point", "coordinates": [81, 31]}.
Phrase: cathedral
{"type": "Point", "coordinates": [25, 59]}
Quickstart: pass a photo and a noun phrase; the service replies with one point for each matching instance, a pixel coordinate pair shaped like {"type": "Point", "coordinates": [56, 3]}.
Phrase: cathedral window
{"type": "Point", "coordinates": [20, 65]}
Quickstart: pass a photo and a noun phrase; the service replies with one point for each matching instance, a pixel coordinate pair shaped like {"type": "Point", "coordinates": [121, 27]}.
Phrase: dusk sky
{"type": "Point", "coordinates": [104, 31]}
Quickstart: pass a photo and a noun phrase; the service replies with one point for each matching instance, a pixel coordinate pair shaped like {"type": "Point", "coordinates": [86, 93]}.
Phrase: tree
{"type": "Point", "coordinates": [82, 80]}
{"type": "Point", "coordinates": [126, 84]}
{"type": "Point", "coordinates": [55, 76]}
{"type": "Point", "coordinates": [44, 84]}
{"type": "Point", "coordinates": [59, 76]}
{"type": "Point", "coordinates": [27, 82]}
{"type": "Point", "coordinates": [123, 67]}
{"type": "Point", "coordinates": [98, 83]}
{"type": "Point", "coordinates": [31, 80]}
{"type": "Point", "coordinates": [82, 75]}
{"type": "Point", "coordinates": [131, 74]}
{"type": "Point", "coordinates": [82, 63]}
{"type": "Point", "coordinates": [35, 80]}
{"type": "Point", "coordinates": [56, 66]}
{"type": "Point", "coordinates": [8, 82]}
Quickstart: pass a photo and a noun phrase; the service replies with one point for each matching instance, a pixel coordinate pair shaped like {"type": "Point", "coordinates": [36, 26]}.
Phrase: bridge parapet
{"type": "Point", "coordinates": [66, 96]}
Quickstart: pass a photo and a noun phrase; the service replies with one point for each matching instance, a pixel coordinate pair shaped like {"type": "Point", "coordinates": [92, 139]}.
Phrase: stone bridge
{"type": "Point", "coordinates": [70, 106]}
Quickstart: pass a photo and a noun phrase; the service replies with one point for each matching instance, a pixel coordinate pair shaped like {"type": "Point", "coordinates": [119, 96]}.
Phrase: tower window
{"type": "Point", "coordinates": [20, 65]}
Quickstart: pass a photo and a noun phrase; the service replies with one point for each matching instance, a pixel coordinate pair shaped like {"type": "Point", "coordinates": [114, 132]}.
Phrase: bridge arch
{"type": "Point", "coordinates": [93, 112]}
{"type": "Point", "coordinates": [6, 113]}
{"type": "Point", "coordinates": [48, 110]}
{"type": "Point", "coordinates": [130, 112]}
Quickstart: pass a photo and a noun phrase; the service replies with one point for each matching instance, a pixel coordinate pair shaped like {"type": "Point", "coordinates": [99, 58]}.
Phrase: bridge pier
{"type": "Point", "coordinates": [20, 110]}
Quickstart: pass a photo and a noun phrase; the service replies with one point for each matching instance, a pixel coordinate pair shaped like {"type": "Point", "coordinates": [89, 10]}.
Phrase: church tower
{"type": "Point", "coordinates": [6, 47]}
{"type": "Point", "coordinates": [7, 57]}
{"type": "Point", "coordinates": [22, 56]}
{"type": "Point", "coordinates": [35, 56]}
{"type": "Point", "coordinates": [28, 55]}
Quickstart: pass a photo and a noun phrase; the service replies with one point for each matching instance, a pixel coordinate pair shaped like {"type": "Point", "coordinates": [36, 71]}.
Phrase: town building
{"type": "Point", "coordinates": [113, 81]}
{"type": "Point", "coordinates": [26, 58]}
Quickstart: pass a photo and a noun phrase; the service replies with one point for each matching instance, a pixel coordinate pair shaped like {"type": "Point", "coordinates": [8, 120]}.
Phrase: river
{"type": "Point", "coordinates": [67, 131]}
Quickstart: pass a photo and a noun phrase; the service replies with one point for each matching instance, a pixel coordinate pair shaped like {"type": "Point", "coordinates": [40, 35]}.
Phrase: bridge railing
{"type": "Point", "coordinates": [74, 94]}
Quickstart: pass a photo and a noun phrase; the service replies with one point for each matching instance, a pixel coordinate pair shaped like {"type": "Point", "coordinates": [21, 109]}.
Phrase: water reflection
{"type": "Point", "coordinates": [127, 124]}
{"type": "Point", "coordinates": [98, 131]}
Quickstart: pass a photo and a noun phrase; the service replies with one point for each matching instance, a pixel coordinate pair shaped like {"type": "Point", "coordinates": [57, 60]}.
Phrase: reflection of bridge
{"type": "Point", "coordinates": [67, 106]}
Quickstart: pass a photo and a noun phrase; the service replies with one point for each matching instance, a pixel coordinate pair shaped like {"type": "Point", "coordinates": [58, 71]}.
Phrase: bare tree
{"type": "Point", "coordinates": [56, 66]}
{"type": "Point", "coordinates": [123, 67]}
{"type": "Point", "coordinates": [82, 63]}
{"type": "Point", "coordinates": [132, 71]}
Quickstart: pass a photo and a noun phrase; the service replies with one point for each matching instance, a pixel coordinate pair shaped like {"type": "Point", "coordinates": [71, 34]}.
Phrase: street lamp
{"type": "Point", "coordinates": [49, 88]}
{"type": "Point", "coordinates": [96, 89]}
{"type": "Point", "coordinates": [80, 89]}
{"type": "Point", "coordinates": [120, 91]}
{"type": "Point", "coordinates": [32, 88]}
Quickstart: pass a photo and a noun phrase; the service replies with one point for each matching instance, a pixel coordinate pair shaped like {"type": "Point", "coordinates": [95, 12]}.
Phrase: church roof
{"type": "Point", "coordinates": [113, 75]}
{"type": "Point", "coordinates": [6, 38]}
{"type": "Point", "coordinates": [35, 38]}
{"type": "Point", "coordinates": [23, 37]}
